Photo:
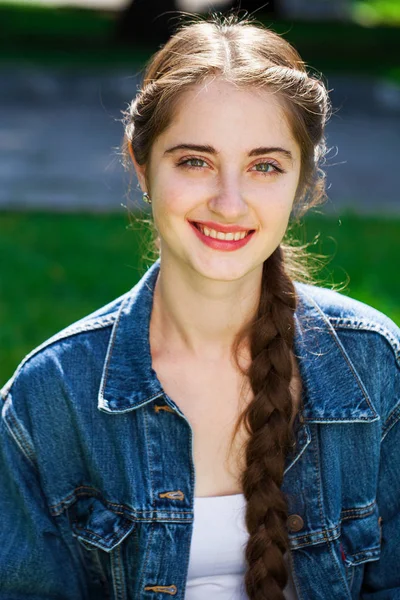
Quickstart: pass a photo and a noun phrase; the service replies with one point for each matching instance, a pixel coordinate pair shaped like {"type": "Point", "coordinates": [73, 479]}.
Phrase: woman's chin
{"type": "Point", "coordinates": [221, 269]}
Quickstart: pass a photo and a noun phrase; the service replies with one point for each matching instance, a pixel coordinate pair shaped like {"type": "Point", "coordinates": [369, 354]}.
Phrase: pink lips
{"type": "Point", "coordinates": [224, 245]}
{"type": "Point", "coordinates": [223, 228]}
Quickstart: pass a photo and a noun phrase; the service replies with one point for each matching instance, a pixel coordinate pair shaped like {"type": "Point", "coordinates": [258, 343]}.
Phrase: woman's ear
{"type": "Point", "coordinates": [140, 169]}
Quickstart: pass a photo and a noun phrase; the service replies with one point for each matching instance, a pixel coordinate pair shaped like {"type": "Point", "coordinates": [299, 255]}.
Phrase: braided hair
{"type": "Point", "coordinates": [250, 55]}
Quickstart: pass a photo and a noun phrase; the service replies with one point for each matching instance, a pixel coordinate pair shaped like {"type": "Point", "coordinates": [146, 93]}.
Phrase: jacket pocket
{"type": "Point", "coordinates": [100, 532]}
{"type": "Point", "coordinates": [360, 542]}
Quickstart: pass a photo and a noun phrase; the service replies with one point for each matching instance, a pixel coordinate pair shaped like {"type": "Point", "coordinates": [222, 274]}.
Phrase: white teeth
{"type": "Point", "coordinates": [239, 235]}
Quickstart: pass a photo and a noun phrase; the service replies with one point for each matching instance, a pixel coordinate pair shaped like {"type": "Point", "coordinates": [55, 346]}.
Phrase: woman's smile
{"type": "Point", "coordinates": [223, 237]}
{"type": "Point", "coordinates": [207, 186]}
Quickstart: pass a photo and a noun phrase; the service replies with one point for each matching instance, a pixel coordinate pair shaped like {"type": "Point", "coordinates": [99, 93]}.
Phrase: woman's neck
{"type": "Point", "coordinates": [198, 317]}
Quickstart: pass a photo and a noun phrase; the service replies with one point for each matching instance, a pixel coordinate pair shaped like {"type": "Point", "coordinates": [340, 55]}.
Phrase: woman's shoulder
{"type": "Point", "coordinates": [78, 353]}
{"type": "Point", "coordinates": [356, 347]}
{"type": "Point", "coordinates": [81, 341]}
{"type": "Point", "coordinates": [343, 312]}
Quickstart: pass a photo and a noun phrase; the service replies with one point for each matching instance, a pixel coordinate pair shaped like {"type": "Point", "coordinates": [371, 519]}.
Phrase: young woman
{"type": "Point", "coordinates": [223, 430]}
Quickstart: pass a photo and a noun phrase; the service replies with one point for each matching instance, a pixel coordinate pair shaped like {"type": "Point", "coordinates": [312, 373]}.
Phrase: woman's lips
{"type": "Point", "coordinates": [224, 245]}
{"type": "Point", "coordinates": [223, 228]}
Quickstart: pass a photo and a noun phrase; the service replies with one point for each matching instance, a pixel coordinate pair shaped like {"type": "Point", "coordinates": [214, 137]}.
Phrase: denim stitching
{"type": "Point", "coordinates": [349, 574]}
{"type": "Point", "coordinates": [355, 513]}
{"type": "Point", "coordinates": [337, 341]}
{"type": "Point", "coordinates": [129, 408]}
{"type": "Point", "coordinates": [111, 347]}
{"type": "Point", "coordinates": [193, 481]}
{"type": "Point", "coordinates": [62, 335]}
{"type": "Point", "coordinates": [120, 509]}
{"type": "Point", "coordinates": [112, 538]}
{"type": "Point", "coordinates": [343, 420]}
{"type": "Point", "coordinates": [351, 581]}
{"type": "Point", "coordinates": [362, 555]}
{"type": "Point", "coordinates": [392, 419]}
{"type": "Point", "coordinates": [336, 562]}
{"type": "Point", "coordinates": [147, 557]}
{"type": "Point", "coordinates": [394, 344]}
{"type": "Point", "coordinates": [355, 374]}
{"type": "Point", "coordinates": [149, 459]}
{"type": "Point", "coordinates": [365, 555]}
{"type": "Point", "coordinates": [324, 535]}
{"type": "Point", "coordinates": [338, 322]}
{"type": "Point", "coordinates": [117, 573]}
{"type": "Point", "coordinates": [16, 430]}
{"type": "Point", "coordinates": [315, 451]}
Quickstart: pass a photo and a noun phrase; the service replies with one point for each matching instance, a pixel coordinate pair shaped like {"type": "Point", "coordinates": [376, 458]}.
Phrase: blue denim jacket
{"type": "Point", "coordinates": [97, 474]}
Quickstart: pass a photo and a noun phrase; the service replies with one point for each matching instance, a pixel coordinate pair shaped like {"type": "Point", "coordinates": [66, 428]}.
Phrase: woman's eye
{"type": "Point", "coordinates": [193, 163]}
{"type": "Point", "coordinates": [267, 168]}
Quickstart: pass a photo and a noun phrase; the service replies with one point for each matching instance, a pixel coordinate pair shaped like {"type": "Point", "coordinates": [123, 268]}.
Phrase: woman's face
{"type": "Point", "coordinates": [227, 165]}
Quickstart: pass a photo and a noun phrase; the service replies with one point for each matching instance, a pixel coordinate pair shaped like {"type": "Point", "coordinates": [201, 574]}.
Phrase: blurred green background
{"type": "Point", "coordinates": [59, 265]}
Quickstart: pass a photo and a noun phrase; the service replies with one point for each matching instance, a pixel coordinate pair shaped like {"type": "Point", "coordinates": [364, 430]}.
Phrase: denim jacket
{"type": "Point", "coordinates": [97, 474]}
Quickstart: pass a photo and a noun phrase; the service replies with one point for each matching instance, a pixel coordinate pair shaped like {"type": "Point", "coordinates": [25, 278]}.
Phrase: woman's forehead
{"type": "Point", "coordinates": [218, 112]}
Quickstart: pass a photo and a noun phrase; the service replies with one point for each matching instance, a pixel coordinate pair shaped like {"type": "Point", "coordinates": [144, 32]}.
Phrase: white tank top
{"type": "Point", "coordinates": [216, 562]}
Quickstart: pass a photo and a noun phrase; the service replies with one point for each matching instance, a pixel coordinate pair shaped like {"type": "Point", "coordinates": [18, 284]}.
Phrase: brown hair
{"type": "Point", "coordinates": [250, 55]}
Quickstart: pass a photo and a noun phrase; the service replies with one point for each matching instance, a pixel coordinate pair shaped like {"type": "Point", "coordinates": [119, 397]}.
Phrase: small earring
{"type": "Point", "coordinates": [146, 198]}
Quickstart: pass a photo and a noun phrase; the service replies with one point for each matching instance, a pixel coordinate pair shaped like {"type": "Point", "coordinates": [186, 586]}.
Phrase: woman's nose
{"type": "Point", "coordinates": [228, 201]}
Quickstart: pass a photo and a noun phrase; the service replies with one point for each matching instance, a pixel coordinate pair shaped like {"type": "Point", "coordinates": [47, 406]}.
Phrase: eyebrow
{"type": "Point", "coordinates": [210, 150]}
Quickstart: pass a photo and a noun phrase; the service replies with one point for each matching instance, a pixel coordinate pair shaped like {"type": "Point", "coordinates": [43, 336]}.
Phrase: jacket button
{"type": "Point", "coordinates": [295, 523]}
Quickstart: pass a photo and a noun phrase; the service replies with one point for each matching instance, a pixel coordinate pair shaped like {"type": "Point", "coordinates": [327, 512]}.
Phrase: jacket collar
{"type": "Point", "coordinates": [332, 389]}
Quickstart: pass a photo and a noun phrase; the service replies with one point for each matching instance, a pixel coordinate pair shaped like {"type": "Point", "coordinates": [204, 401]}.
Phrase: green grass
{"type": "Point", "coordinates": [56, 268]}
{"type": "Point", "coordinates": [363, 255]}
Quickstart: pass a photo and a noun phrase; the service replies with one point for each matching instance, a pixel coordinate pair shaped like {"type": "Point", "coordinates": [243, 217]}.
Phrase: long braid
{"type": "Point", "coordinates": [251, 57]}
{"type": "Point", "coordinates": [267, 418]}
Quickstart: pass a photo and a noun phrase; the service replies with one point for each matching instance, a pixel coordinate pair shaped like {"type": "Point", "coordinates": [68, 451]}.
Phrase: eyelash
{"type": "Point", "coordinates": [184, 163]}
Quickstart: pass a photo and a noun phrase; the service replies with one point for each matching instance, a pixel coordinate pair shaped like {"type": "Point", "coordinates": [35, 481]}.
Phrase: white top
{"type": "Point", "coordinates": [216, 562]}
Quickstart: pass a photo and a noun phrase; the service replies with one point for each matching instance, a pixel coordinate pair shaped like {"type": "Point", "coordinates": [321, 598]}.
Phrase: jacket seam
{"type": "Point", "coordinates": [16, 431]}
{"type": "Point", "coordinates": [332, 332]}
{"type": "Point", "coordinates": [120, 509]}
{"type": "Point", "coordinates": [391, 421]}
{"type": "Point", "coordinates": [326, 534]}
{"type": "Point", "coordinates": [63, 335]}
{"type": "Point", "coordinates": [107, 361]}
{"type": "Point", "coordinates": [14, 426]}
{"type": "Point", "coordinates": [115, 537]}
{"type": "Point", "coordinates": [394, 343]}
{"type": "Point", "coordinates": [340, 322]}
{"type": "Point", "coordinates": [359, 512]}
